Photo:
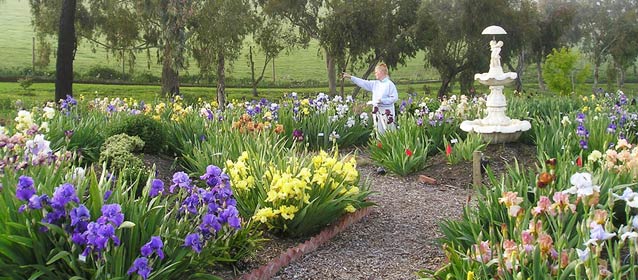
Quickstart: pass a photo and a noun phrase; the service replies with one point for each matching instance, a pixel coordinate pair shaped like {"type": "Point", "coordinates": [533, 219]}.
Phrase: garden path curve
{"type": "Point", "coordinates": [396, 240]}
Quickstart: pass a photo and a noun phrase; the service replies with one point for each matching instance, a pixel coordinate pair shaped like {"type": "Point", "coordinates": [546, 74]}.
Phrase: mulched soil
{"type": "Point", "coordinates": [400, 236]}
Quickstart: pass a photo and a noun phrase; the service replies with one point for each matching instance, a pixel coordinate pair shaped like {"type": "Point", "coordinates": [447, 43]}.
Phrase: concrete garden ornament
{"type": "Point", "coordinates": [496, 127]}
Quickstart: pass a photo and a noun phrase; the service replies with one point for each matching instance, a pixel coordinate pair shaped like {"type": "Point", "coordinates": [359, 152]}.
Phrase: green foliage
{"type": "Point", "coordinates": [561, 72]}
{"type": "Point", "coordinates": [30, 252]}
{"type": "Point", "coordinates": [402, 151]}
{"type": "Point", "coordinates": [148, 129]}
{"type": "Point", "coordinates": [298, 195]}
{"type": "Point", "coordinates": [104, 73]}
{"type": "Point", "coordinates": [117, 154]}
{"type": "Point", "coordinates": [464, 148]}
{"type": "Point", "coordinates": [26, 83]}
{"type": "Point", "coordinates": [79, 134]}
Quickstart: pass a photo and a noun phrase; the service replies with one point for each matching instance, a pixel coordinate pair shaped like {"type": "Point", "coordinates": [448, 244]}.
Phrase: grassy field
{"type": "Point", "coordinates": [300, 65]}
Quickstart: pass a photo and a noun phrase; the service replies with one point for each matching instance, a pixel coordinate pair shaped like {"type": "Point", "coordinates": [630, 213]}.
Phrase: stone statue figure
{"type": "Point", "coordinates": [495, 61]}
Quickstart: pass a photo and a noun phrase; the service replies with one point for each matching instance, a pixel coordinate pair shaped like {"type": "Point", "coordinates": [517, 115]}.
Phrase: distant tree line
{"type": "Point", "coordinates": [353, 35]}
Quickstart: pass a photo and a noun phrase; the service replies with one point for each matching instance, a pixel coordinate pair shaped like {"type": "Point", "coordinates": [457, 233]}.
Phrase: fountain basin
{"type": "Point", "coordinates": [492, 133]}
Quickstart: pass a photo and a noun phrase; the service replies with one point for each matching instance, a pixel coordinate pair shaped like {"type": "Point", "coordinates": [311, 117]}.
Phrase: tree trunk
{"type": "Point", "coordinates": [371, 66]}
{"type": "Point", "coordinates": [221, 87]}
{"type": "Point", "coordinates": [621, 77]}
{"type": "Point", "coordinates": [252, 70]}
{"type": "Point", "coordinates": [170, 77]}
{"type": "Point", "coordinates": [66, 49]}
{"type": "Point", "coordinates": [520, 67]}
{"type": "Point", "coordinates": [445, 85]}
{"type": "Point", "coordinates": [539, 74]}
{"type": "Point", "coordinates": [332, 77]}
{"type": "Point", "coordinates": [596, 74]}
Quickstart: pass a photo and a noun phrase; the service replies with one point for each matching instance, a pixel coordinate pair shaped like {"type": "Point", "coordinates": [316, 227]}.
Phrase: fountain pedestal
{"type": "Point", "coordinates": [496, 127]}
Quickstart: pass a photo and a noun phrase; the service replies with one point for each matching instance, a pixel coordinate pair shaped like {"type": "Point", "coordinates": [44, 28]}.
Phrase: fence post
{"type": "Point", "coordinates": [476, 168]}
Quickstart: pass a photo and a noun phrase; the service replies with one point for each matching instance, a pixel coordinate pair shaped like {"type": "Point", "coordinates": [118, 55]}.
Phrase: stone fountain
{"type": "Point", "coordinates": [496, 127]}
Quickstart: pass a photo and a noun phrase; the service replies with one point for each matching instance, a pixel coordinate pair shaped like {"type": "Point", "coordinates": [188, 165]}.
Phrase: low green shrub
{"type": "Point", "coordinates": [145, 127]}
{"type": "Point", "coordinates": [117, 155]}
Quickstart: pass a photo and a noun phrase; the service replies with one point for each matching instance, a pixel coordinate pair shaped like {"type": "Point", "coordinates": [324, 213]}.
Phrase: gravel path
{"type": "Point", "coordinates": [395, 241]}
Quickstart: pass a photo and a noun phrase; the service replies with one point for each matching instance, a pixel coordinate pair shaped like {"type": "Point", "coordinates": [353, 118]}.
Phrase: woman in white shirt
{"type": "Point", "coordinates": [384, 95]}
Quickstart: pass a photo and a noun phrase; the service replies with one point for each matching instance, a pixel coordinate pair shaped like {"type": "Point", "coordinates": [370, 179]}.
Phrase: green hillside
{"type": "Point", "coordinates": [300, 65]}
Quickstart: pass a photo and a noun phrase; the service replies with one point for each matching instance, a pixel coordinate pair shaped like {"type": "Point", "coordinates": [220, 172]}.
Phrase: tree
{"type": "Point", "coordinates": [561, 73]}
{"type": "Point", "coordinates": [457, 48]}
{"type": "Point", "coordinates": [67, 20]}
{"type": "Point", "coordinates": [271, 36]}
{"type": "Point", "coordinates": [395, 37]}
{"type": "Point", "coordinates": [599, 19]}
{"type": "Point", "coordinates": [127, 27]}
{"type": "Point", "coordinates": [165, 26]}
{"type": "Point", "coordinates": [219, 28]}
{"type": "Point", "coordinates": [66, 51]}
{"type": "Point", "coordinates": [624, 51]}
{"type": "Point", "coordinates": [309, 16]}
{"type": "Point", "coordinates": [523, 30]}
{"type": "Point", "coordinates": [555, 23]}
{"type": "Point", "coordinates": [117, 29]}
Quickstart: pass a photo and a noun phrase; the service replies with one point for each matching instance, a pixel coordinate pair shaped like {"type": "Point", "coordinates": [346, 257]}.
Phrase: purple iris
{"type": "Point", "coordinates": [36, 202]}
{"type": "Point", "coordinates": [212, 175]}
{"type": "Point", "coordinates": [54, 217]}
{"type": "Point", "coordinates": [64, 194]}
{"type": "Point", "coordinates": [68, 134]}
{"type": "Point", "coordinates": [180, 179]}
{"type": "Point", "coordinates": [155, 245]}
{"type": "Point", "coordinates": [210, 221]}
{"type": "Point", "coordinates": [79, 218]}
{"type": "Point", "coordinates": [141, 266]}
{"type": "Point", "coordinates": [25, 189]}
{"type": "Point", "coordinates": [191, 203]}
{"type": "Point", "coordinates": [112, 213]}
{"type": "Point", "coordinates": [611, 129]}
{"type": "Point", "coordinates": [192, 240]}
{"type": "Point", "coordinates": [209, 114]}
{"type": "Point", "coordinates": [107, 195]}
{"type": "Point", "coordinates": [97, 236]}
{"type": "Point", "coordinates": [580, 117]}
{"type": "Point", "coordinates": [231, 216]}
{"type": "Point", "coordinates": [157, 187]}
{"type": "Point", "coordinates": [582, 131]}
{"type": "Point", "coordinates": [297, 135]}
{"type": "Point", "coordinates": [583, 144]}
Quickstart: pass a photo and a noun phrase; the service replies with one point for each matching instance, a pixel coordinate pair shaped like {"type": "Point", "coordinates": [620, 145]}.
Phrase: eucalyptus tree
{"type": "Point", "coordinates": [604, 27]}
{"type": "Point", "coordinates": [271, 35]}
{"type": "Point", "coordinates": [353, 32]}
{"type": "Point", "coordinates": [66, 50]}
{"type": "Point", "coordinates": [311, 17]}
{"type": "Point", "coordinates": [556, 22]}
{"type": "Point", "coordinates": [394, 36]}
{"type": "Point", "coordinates": [125, 28]}
{"type": "Point", "coordinates": [624, 51]}
{"type": "Point", "coordinates": [350, 32]}
{"type": "Point", "coordinates": [219, 28]}
{"type": "Point", "coordinates": [118, 30]}
{"type": "Point", "coordinates": [523, 30]}
{"type": "Point", "coordinates": [165, 25]}
{"type": "Point", "coordinates": [457, 50]}
{"type": "Point", "coordinates": [68, 20]}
